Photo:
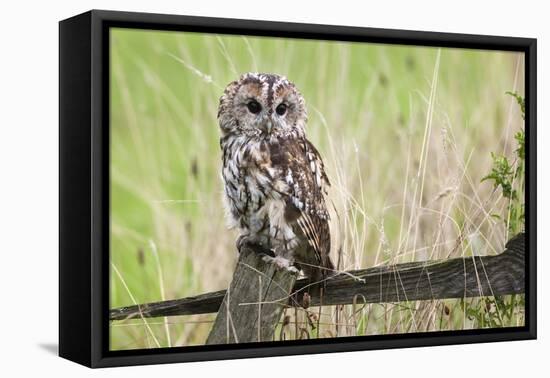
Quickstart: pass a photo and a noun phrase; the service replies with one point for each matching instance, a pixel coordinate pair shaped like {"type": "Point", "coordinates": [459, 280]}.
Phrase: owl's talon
{"type": "Point", "coordinates": [293, 269]}
{"type": "Point", "coordinates": [244, 242]}
{"type": "Point", "coordinates": [281, 263]}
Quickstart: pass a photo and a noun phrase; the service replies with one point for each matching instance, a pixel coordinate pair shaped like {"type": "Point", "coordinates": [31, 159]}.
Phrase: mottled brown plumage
{"type": "Point", "coordinates": [274, 178]}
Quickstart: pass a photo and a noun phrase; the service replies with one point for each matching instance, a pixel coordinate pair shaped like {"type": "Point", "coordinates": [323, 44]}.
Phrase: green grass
{"type": "Point", "coordinates": [406, 134]}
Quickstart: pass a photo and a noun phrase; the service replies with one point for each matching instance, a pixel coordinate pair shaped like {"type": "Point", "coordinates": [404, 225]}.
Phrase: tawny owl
{"type": "Point", "coordinates": [274, 179]}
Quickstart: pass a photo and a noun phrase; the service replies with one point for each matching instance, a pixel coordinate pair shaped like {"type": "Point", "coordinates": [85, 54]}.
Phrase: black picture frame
{"type": "Point", "coordinates": [84, 186]}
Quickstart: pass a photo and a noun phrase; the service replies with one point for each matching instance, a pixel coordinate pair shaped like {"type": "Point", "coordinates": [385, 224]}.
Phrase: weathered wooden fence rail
{"type": "Point", "coordinates": [252, 306]}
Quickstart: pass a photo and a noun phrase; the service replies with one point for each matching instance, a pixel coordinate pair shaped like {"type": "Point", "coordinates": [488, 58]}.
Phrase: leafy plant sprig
{"type": "Point", "coordinates": [509, 176]}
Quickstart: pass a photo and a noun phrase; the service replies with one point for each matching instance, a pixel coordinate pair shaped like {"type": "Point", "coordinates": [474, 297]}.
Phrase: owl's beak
{"type": "Point", "coordinates": [267, 126]}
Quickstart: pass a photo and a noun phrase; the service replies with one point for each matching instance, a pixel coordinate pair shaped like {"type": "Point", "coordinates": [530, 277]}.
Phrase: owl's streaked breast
{"type": "Point", "coordinates": [250, 180]}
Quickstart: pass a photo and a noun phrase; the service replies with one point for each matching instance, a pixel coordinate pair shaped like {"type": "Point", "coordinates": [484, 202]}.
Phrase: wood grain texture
{"type": "Point", "coordinates": [254, 302]}
{"type": "Point", "coordinates": [453, 278]}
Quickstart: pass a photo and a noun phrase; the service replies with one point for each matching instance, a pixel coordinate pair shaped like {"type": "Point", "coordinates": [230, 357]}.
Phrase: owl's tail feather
{"type": "Point", "coordinates": [318, 277]}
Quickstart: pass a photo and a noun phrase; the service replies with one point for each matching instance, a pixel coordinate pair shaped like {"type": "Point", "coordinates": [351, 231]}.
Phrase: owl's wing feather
{"type": "Point", "coordinates": [307, 182]}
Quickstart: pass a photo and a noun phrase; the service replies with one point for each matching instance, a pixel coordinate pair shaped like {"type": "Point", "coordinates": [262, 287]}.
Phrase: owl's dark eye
{"type": "Point", "coordinates": [254, 107]}
{"type": "Point", "coordinates": [281, 109]}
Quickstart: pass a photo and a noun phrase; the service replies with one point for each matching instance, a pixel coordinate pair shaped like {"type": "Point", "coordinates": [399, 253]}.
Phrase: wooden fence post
{"type": "Point", "coordinates": [252, 306]}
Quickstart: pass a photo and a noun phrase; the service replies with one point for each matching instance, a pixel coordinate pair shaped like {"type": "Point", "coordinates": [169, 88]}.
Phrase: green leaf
{"type": "Point", "coordinates": [520, 100]}
{"type": "Point", "coordinates": [520, 138]}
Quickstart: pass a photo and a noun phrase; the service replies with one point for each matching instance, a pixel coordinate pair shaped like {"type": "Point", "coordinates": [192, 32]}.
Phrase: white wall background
{"type": "Point", "coordinates": [29, 185]}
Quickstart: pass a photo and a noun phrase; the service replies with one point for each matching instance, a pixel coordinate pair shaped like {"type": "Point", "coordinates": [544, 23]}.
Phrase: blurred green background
{"type": "Point", "coordinates": [406, 134]}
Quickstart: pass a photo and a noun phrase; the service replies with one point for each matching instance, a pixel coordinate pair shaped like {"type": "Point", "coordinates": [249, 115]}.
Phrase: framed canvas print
{"type": "Point", "coordinates": [236, 188]}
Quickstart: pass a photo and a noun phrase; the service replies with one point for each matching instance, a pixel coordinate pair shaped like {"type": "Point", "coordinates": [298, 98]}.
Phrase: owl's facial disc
{"type": "Point", "coordinates": [262, 105]}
